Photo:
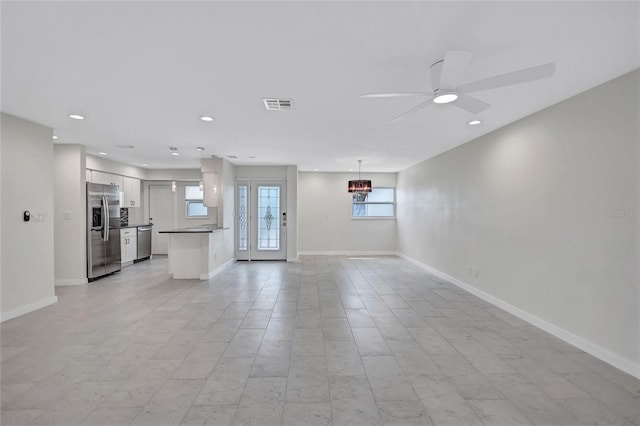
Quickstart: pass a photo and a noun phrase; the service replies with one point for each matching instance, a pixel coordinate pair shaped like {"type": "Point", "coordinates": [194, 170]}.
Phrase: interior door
{"type": "Point", "coordinates": [162, 215]}
{"type": "Point", "coordinates": [261, 220]}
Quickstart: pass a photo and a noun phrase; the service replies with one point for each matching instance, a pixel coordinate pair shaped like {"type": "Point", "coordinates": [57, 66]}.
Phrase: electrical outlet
{"type": "Point", "coordinates": [67, 215]}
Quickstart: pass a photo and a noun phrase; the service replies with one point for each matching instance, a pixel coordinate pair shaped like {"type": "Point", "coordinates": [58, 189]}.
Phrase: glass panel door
{"type": "Point", "coordinates": [261, 220]}
{"type": "Point", "coordinates": [242, 226]}
{"type": "Point", "coordinates": [268, 214]}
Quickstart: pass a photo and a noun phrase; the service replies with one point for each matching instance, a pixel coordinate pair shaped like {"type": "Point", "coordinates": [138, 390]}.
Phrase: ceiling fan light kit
{"type": "Point", "coordinates": [445, 97]}
{"type": "Point", "coordinates": [446, 75]}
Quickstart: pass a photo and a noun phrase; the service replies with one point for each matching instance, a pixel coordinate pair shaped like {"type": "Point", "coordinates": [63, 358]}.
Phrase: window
{"type": "Point", "coordinates": [193, 196]}
{"type": "Point", "coordinates": [379, 203]}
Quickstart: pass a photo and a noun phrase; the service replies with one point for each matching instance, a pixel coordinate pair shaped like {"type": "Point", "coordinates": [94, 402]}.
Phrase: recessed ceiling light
{"type": "Point", "coordinates": [55, 137]}
{"type": "Point", "coordinates": [315, 170]}
{"type": "Point", "coordinates": [200, 149]}
{"type": "Point", "coordinates": [76, 116]}
{"type": "Point", "coordinates": [206, 118]}
{"type": "Point", "coordinates": [445, 98]}
{"type": "Point", "coordinates": [175, 153]}
{"type": "Point", "coordinates": [103, 153]}
{"type": "Point", "coordinates": [474, 122]}
{"type": "Point", "coordinates": [144, 164]}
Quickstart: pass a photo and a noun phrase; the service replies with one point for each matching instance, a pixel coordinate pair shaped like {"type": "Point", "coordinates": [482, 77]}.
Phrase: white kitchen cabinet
{"type": "Point", "coordinates": [107, 179]}
{"type": "Point", "coordinates": [128, 245]}
{"type": "Point", "coordinates": [131, 192]}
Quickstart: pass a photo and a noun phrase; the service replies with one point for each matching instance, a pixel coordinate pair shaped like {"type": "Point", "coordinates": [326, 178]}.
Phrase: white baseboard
{"type": "Point", "coordinates": [562, 334]}
{"type": "Point", "coordinates": [60, 282]}
{"type": "Point", "coordinates": [25, 309]}
{"type": "Point", "coordinates": [217, 270]}
{"type": "Point", "coordinates": [347, 253]}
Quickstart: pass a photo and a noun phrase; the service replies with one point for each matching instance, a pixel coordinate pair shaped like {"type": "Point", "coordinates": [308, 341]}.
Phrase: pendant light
{"type": "Point", "coordinates": [359, 186]}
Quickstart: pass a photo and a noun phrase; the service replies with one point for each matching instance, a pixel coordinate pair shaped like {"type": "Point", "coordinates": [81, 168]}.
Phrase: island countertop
{"type": "Point", "coordinates": [202, 229]}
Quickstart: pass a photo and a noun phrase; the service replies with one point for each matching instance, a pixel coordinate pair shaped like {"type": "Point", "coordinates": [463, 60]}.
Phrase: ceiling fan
{"type": "Point", "coordinates": [447, 73]}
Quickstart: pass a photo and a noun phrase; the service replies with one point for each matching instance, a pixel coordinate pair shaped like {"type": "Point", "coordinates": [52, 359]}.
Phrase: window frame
{"type": "Point", "coordinates": [392, 203]}
{"type": "Point", "coordinates": [188, 201]}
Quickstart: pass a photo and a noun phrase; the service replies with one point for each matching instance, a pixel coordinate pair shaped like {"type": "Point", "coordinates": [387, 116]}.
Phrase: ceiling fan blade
{"type": "Point", "coordinates": [414, 109]}
{"type": "Point", "coordinates": [454, 66]}
{"type": "Point", "coordinates": [469, 104]}
{"type": "Point", "coordinates": [515, 77]}
{"type": "Point", "coordinates": [394, 95]}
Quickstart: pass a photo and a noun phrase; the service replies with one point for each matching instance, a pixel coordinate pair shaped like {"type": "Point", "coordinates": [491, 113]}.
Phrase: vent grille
{"type": "Point", "coordinates": [125, 146]}
{"type": "Point", "coordinates": [278, 104]}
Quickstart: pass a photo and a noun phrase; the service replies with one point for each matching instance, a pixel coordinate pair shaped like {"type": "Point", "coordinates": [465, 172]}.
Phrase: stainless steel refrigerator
{"type": "Point", "coordinates": [103, 230]}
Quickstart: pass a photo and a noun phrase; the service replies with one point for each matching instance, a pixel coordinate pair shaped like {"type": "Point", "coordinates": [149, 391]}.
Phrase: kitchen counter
{"type": "Point", "coordinates": [202, 229]}
{"type": "Point", "coordinates": [198, 252]}
{"type": "Point", "coordinates": [135, 225]}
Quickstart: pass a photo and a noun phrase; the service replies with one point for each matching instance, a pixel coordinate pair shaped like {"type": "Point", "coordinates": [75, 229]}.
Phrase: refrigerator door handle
{"type": "Point", "coordinates": [102, 219]}
{"type": "Point", "coordinates": [106, 215]}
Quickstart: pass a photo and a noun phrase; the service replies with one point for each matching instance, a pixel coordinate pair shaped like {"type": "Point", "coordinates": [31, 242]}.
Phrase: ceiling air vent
{"type": "Point", "coordinates": [125, 146]}
{"type": "Point", "coordinates": [278, 104]}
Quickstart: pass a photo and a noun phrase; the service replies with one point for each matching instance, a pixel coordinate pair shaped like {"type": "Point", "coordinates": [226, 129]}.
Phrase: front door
{"type": "Point", "coordinates": [261, 220]}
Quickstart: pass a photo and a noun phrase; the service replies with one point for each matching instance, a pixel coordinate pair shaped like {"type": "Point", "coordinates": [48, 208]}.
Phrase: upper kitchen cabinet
{"type": "Point", "coordinates": [131, 192]}
{"type": "Point", "coordinates": [107, 179]}
{"type": "Point", "coordinates": [129, 187]}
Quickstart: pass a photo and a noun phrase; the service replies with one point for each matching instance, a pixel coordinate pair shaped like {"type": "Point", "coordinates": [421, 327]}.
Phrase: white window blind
{"type": "Point", "coordinates": [194, 206]}
{"type": "Point", "coordinates": [193, 192]}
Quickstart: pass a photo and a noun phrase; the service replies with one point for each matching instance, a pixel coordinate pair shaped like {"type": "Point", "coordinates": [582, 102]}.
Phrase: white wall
{"type": "Point", "coordinates": [180, 214]}
{"type": "Point", "coordinates": [27, 275]}
{"type": "Point", "coordinates": [292, 213]}
{"type": "Point", "coordinates": [70, 218]}
{"type": "Point", "coordinates": [547, 209]}
{"type": "Point", "coordinates": [325, 225]}
{"type": "Point", "coordinates": [103, 164]}
{"type": "Point", "coordinates": [261, 172]}
{"type": "Point", "coordinates": [174, 174]}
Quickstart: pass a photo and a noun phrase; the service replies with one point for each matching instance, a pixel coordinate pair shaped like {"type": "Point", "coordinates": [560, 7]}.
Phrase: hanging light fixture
{"type": "Point", "coordinates": [360, 186]}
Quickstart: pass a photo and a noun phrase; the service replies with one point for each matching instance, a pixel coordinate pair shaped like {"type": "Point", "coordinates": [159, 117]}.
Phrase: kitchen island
{"type": "Point", "coordinates": [197, 252]}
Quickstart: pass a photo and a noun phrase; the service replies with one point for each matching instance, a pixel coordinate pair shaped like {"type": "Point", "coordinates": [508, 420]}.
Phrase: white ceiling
{"type": "Point", "coordinates": [144, 72]}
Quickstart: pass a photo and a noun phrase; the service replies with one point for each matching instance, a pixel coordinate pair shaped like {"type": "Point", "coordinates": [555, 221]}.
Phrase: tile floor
{"type": "Point", "coordinates": [328, 340]}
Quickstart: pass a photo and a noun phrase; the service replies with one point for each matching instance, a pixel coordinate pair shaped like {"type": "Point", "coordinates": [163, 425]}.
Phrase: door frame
{"type": "Point", "coordinates": [160, 184]}
{"type": "Point", "coordinates": [251, 216]}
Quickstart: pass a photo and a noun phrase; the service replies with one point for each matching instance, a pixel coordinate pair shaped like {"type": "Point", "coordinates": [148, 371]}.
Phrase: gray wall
{"type": "Point", "coordinates": [26, 183]}
{"type": "Point", "coordinates": [70, 218]}
{"type": "Point", "coordinates": [324, 216]}
{"type": "Point", "coordinates": [546, 213]}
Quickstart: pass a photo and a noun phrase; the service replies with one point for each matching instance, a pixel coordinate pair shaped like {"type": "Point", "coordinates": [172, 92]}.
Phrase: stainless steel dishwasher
{"type": "Point", "coordinates": [144, 242]}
